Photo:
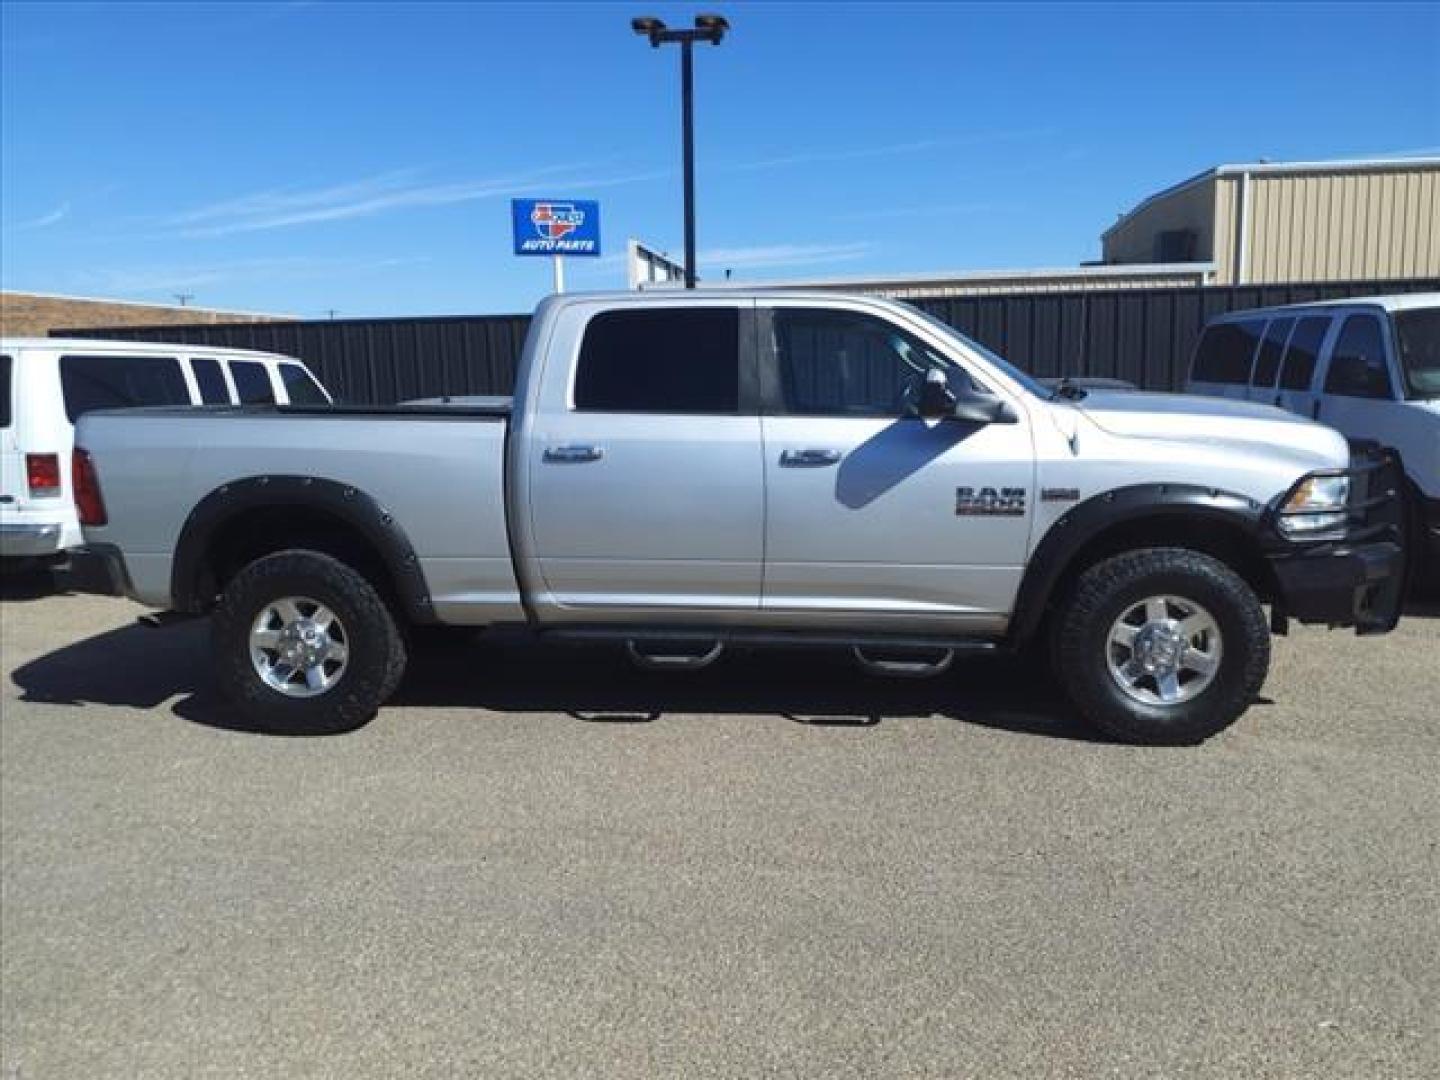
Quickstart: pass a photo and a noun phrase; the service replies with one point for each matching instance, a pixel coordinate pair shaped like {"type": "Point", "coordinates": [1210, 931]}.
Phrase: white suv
{"type": "Point", "coordinates": [1369, 367]}
{"type": "Point", "coordinates": [48, 383]}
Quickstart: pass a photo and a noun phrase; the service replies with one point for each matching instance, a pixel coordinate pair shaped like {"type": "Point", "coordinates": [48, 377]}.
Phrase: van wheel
{"type": "Point", "coordinates": [1163, 646]}
{"type": "Point", "coordinates": [304, 645]}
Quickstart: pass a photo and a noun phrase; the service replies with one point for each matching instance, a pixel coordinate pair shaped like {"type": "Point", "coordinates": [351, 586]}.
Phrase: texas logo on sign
{"type": "Point", "coordinates": [555, 227]}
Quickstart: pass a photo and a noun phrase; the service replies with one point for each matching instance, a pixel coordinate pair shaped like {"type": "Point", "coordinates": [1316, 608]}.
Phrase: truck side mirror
{"type": "Point", "coordinates": [937, 400]}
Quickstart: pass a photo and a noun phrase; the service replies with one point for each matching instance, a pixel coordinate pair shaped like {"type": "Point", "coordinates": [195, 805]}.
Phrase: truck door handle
{"type": "Point", "coordinates": [571, 455]}
{"type": "Point", "coordinates": [809, 459]}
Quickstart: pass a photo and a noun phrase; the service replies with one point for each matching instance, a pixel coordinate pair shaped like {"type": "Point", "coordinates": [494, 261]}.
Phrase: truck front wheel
{"type": "Point", "coordinates": [1162, 646]}
{"type": "Point", "coordinates": [304, 645]}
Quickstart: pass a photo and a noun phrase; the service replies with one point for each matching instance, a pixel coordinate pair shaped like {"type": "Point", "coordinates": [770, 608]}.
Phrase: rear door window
{"type": "Point", "coordinates": [301, 386]}
{"type": "Point", "coordinates": [210, 380]}
{"type": "Point", "coordinates": [252, 382]}
{"type": "Point", "coordinates": [661, 360]}
{"type": "Point", "coordinates": [1272, 347]}
{"type": "Point", "coordinates": [6, 414]}
{"type": "Point", "coordinates": [1226, 352]}
{"type": "Point", "coordinates": [1298, 369]}
{"type": "Point", "coordinates": [1357, 364]}
{"type": "Point", "coordinates": [120, 382]}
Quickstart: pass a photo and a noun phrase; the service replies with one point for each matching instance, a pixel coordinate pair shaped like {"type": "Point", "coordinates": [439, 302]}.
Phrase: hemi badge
{"type": "Point", "coordinates": [1059, 494]}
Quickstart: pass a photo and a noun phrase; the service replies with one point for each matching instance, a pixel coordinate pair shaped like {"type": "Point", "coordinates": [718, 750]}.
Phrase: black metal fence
{"type": "Point", "coordinates": [1142, 335]}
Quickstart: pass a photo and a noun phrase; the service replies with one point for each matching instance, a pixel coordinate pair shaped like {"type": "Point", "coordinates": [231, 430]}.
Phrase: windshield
{"type": "Point", "coordinates": [1418, 334]}
{"type": "Point", "coordinates": [1000, 362]}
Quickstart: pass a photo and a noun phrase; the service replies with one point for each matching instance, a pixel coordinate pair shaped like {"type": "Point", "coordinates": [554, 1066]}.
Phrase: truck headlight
{"type": "Point", "coordinates": [1316, 506]}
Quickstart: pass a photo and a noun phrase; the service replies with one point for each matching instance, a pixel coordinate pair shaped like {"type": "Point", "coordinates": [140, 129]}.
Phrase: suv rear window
{"type": "Point", "coordinates": [252, 382]}
{"type": "Point", "coordinates": [120, 382]}
{"type": "Point", "coordinates": [5, 413]}
{"type": "Point", "coordinates": [210, 380]}
{"type": "Point", "coordinates": [1299, 366]}
{"type": "Point", "coordinates": [1225, 352]}
{"type": "Point", "coordinates": [665, 360]}
{"type": "Point", "coordinates": [1267, 364]}
{"type": "Point", "coordinates": [301, 386]}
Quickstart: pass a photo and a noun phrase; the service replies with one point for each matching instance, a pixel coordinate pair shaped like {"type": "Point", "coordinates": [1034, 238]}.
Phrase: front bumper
{"type": "Point", "coordinates": [1356, 586]}
{"type": "Point", "coordinates": [1357, 579]}
{"type": "Point", "coordinates": [21, 540]}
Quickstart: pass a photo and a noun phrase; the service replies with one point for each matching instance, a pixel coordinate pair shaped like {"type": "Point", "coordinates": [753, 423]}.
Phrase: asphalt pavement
{"type": "Point", "coordinates": [542, 862]}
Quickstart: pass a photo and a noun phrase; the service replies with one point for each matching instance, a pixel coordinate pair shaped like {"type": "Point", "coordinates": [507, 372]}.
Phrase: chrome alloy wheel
{"type": "Point", "coordinates": [1164, 650]}
{"type": "Point", "coordinates": [299, 647]}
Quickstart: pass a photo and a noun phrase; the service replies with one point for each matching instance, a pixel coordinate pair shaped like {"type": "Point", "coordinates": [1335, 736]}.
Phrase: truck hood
{"type": "Point", "coordinates": [1191, 417]}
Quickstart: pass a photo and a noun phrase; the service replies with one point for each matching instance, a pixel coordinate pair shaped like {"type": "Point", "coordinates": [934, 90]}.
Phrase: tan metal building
{"type": "Point", "coordinates": [1275, 223]}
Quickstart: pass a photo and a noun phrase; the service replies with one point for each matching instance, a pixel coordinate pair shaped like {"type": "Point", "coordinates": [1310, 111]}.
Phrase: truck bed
{"type": "Point", "coordinates": [439, 470]}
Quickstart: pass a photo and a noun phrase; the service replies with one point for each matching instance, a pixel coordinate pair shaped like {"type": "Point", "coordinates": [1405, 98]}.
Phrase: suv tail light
{"type": "Point", "coordinates": [42, 475]}
{"type": "Point", "coordinates": [88, 501]}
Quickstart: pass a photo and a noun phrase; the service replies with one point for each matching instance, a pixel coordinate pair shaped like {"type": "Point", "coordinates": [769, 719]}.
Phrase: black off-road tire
{"type": "Point", "coordinates": [377, 649]}
{"type": "Point", "coordinates": [1109, 588]}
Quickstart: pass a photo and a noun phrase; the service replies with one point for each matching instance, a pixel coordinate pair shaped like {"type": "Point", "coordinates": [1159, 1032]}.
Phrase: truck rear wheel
{"type": "Point", "coordinates": [1163, 646]}
{"type": "Point", "coordinates": [304, 645]}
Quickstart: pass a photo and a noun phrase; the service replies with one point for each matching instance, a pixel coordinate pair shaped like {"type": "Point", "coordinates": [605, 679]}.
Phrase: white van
{"type": "Point", "coordinates": [46, 383]}
{"type": "Point", "coordinates": [1367, 366]}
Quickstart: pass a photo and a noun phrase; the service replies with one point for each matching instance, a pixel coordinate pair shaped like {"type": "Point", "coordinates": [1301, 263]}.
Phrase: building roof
{"type": "Point", "coordinates": [1279, 167]}
{"type": "Point", "coordinates": [1097, 271]}
{"type": "Point", "coordinates": [108, 301]}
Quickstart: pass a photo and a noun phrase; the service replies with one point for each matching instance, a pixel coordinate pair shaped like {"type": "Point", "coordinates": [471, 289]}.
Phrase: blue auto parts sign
{"type": "Point", "coordinates": [556, 226]}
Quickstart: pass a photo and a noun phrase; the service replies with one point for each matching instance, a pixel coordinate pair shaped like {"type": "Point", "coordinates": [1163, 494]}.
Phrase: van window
{"type": "Point", "coordinates": [120, 382]}
{"type": "Point", "coordinates": [301, 386]}
{"type": "Point", "coordinates": [210, 380]}
{"type": "Point", "coordinates": [1225, 352]}
{"type": "Point", "coordinates": [1357, 365]}
{"type": "Point", "coordinates": [1299, 367]}
{"type": "Point", "coordinates": [252, 382]}
{"type": "Point", "coordinates": [1267, 364]}
{"type": "Point", "coordinates": [670, 360]}
{"type": "Point", "coordinates": [5, 413]}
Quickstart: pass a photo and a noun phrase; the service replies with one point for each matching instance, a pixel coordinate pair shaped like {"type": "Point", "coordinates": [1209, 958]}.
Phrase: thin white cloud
{"type": "Point", "coordinates": [44, 221]}
{"type": "Point", "coordinates": [920, 210]}
{"type": "Point", "coordinates": [283, 207]}
{"type": "Point", "coordinates": [819, 157]}
{"type": "Point", "coordinates": [914, 146]}
{"type": "Point", "coordinates": [781, 255]}
{"type": "Point", "coordinates": [169, 278]}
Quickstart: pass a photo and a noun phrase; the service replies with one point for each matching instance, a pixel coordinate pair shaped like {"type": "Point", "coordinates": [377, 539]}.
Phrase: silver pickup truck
{"type": "Point", "coordinates": [683, 471]}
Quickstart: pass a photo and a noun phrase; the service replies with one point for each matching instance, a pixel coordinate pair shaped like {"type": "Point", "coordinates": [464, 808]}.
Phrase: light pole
{"type": "Point", "coordinates": [709, 28]}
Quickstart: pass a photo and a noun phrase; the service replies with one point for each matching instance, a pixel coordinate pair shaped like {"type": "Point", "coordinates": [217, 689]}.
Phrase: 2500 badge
{"type": "Point", "coordinates": [990, 502]}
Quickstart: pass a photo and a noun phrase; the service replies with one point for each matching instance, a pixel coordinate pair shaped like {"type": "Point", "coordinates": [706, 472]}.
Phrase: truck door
{"type": "Point", "coordinates": [871, 511]}
{"type": "Point", "coordinates": [644, 470]}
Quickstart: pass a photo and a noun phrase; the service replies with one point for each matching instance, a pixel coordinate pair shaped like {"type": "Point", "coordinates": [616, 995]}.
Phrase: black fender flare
{"type": "Point", "coordinates": [1065, 539]}
{"type": "Point", "coordinates": [345, 502]}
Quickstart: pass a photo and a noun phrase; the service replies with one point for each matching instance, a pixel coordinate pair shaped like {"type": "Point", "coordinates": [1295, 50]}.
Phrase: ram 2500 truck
{"type": "Point", "coordinates": [683, 471]}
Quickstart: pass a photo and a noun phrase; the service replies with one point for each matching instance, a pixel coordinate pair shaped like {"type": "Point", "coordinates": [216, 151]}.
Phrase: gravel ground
{"type": "Point", "coordinates": [544, 863]}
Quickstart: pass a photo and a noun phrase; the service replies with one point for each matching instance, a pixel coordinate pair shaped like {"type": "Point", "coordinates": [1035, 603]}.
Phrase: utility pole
{"type": "Point", "coordinates": [711, 28]}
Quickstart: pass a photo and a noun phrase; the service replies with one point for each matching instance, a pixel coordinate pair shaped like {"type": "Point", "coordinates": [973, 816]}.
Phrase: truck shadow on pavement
{"type": "Point", "coordinates": [144, 668]}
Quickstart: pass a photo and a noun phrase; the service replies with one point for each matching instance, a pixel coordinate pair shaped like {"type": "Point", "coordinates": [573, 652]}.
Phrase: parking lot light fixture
{"type": "Point", "coordinates": [708, 28]}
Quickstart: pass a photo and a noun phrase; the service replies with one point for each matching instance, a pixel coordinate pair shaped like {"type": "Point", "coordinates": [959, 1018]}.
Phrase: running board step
{"type": "Point", "coordinates": [672, 661]}
{"type": "Point", "coordinates": [896, 668]}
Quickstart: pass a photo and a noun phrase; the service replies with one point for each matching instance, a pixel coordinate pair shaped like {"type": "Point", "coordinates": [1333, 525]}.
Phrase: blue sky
{"type": "Point", "coordinates": [304, 157]}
